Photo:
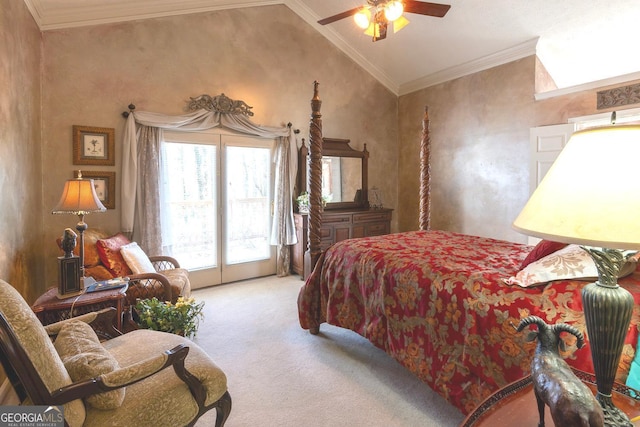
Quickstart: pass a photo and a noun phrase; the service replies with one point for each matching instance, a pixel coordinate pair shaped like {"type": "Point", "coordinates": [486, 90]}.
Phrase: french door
{"type": "Point", "coordinates": [216, 205]}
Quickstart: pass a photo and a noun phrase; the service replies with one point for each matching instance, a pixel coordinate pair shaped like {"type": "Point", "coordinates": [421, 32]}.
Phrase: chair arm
{"type": "Point", "coordinates": [164, 262]}
{"type": "Point", "coordinates": [105, 318]}
{"type": "Point", "coordinates": [130, 375]}
{"type": "Point", "coordinates": [146, 280]}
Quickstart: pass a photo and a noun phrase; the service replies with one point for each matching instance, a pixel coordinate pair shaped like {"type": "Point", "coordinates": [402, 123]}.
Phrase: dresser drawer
{"type": "Point", "coordinates": [329, 219]}
{"type": "Point", "coordinates": [377, 229]}
{"type": "Point", "coordinates": [371, 216]}
{"type": "Point", "coordinates": [326, 233]}
{"type": "Point", "coordinates": [341, 224]}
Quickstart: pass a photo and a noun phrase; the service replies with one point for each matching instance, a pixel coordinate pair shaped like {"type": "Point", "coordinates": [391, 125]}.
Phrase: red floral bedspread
{"type": "Point", "coordinates": [436, 302]}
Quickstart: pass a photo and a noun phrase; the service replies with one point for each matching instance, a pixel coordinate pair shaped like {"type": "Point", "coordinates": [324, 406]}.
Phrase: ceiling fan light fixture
{"type": "Point", "coordinates": [363, 18]}
{"type": "Point", "coordinates": [399, 24]}
{"type": "Point", "coordinates": [374, 17]}
{"type": "Point", "coordinates": [371, 30]}
{"type": "Point", "coordinates": [393, 10]}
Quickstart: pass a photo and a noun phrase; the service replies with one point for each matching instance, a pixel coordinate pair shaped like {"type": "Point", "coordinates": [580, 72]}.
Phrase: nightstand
{"type": "Point", "coordinates": [515, 405]}
{"type": "Point", "coordinates": [50, 309]}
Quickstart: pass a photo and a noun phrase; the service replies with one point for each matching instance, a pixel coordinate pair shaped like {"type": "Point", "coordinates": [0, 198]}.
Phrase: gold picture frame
{"type": "Point", "coordinates": [93, 146]}
{"type": "Point", "coordinates": [105, 185]}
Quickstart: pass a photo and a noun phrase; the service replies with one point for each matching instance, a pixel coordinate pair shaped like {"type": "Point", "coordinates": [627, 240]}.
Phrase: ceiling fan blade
{"type": "Point", "coordinates": [424, 8]}
{"type": "Point", "coordinates": [339, 16]}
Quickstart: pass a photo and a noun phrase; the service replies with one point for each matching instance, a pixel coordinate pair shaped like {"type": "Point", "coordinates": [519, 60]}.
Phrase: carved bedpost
{"type": "Point", "coordinates": [315, 181]}
{"type": "Point", "coordinates": [425, 173]}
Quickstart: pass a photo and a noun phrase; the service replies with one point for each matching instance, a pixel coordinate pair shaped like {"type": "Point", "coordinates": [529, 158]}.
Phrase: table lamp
{"type": "Point", "coordinates": [590, 197]}
{"type": "Point", "coordinates": [79, 197]}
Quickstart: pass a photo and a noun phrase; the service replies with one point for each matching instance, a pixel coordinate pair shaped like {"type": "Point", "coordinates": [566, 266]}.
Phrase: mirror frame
{"type": "Point", "coordinates": [336, 147]}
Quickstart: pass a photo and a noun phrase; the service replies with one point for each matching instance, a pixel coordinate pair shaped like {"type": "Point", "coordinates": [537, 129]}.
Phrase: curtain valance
{"type": "Point", "coordinates": [283, 232]}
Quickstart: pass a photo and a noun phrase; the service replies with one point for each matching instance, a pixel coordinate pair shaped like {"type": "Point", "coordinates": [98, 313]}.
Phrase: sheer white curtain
{"type": "Point", "coordinates": [283, 231]}
{"type": "Point", "coordinates": [141, 165]}
{"type": "Point", "coordinates": [147, 223]}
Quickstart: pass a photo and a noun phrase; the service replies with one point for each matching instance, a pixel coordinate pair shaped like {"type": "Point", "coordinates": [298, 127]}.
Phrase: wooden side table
{"type": "Point", "coordinates": [50, 309]}
{"type": "Point", "coordinates": [515, 405]}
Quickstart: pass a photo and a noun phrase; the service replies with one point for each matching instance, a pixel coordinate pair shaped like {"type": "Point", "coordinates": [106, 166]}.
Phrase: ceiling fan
{"type": "Point", "coordinates": [375, 16]}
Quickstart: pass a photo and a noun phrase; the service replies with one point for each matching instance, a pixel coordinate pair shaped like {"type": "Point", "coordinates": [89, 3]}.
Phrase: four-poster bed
{"type": "Point", "coordinates": [438, 302]}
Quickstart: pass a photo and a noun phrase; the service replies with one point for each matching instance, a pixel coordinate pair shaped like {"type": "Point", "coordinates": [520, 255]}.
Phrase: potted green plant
{"type": "Point", "coordinates": [303, 202]}
{"type": "Point", "coordinates": [181, 318]}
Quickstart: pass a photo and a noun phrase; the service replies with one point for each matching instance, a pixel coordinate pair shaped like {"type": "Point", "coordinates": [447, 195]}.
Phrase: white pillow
{"type": "Point", "coordinates": [570, 263]}
{"type": "Point", "coordinates": [136, 259]}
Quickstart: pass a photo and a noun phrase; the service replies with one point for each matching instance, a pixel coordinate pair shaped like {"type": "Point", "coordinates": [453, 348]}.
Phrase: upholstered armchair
{"type": "Point", "coordinates": [143, 378]}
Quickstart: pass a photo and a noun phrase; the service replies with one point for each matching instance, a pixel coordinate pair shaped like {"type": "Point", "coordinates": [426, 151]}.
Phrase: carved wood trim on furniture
{"type": "Point", "coordinates": [425, 173]}
{"type": "Point", "coordinates": [303, 168]}
{"type": "Point", "coordinates": [344, 218]}
{"type": "Point", "coordinates": [315, 179]}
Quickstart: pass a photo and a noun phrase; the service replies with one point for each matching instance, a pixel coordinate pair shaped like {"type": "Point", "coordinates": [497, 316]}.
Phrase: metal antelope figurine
{"type": "Point", "coordinates": [570, 401]}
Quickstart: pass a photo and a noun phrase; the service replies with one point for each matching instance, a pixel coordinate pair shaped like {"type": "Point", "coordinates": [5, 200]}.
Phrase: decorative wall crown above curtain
{"type": "Point", "coordinates": [220, 104]}
{"type": "Point", "coordinates": [140, 166]}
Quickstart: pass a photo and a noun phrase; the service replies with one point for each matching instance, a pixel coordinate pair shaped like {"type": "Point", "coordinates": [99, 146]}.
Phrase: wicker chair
{"type": "Point", "coordinates": [120, 382]}
{"type": "Point", "coordinates": [169, 282]}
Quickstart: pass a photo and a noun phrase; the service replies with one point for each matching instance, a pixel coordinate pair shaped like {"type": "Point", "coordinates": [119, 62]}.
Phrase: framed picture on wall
{"type": "Point", "coordinates": [93, 146]}
{"type": "Point", "coordinates": [105, 185]}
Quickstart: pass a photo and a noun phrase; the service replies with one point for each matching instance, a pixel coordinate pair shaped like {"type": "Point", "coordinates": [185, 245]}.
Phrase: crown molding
{"type": "Point", "coordinates": [312, 19]}
{"type": "Point", "coordinates": [514, 53]}
{"type": "Point", "coordinates": [70, 16]}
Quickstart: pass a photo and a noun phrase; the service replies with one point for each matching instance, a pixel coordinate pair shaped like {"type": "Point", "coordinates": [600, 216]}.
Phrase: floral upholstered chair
{"type": "Point", "coordinates": [143, 378]}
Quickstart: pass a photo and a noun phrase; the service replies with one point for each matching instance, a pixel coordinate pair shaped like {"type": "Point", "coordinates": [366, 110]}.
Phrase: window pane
{"type": "Point", "coordinates": [190, 204]}
{"type": "Point", "coordinates": [248, 216]}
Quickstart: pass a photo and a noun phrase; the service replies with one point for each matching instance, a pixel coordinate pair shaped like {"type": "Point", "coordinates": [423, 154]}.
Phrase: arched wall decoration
{"type": "Point", "coordinates": [219, 104]}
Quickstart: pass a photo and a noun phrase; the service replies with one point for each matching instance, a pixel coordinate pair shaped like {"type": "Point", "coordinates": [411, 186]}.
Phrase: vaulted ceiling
{"type": "Point", "coordinates": [578, 41]}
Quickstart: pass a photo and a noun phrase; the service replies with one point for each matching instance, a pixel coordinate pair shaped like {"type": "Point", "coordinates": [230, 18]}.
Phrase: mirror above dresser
{"type": "Point", "coordinates": [346, 213]}
{"type": "Point", "coordinates": [344, 174]}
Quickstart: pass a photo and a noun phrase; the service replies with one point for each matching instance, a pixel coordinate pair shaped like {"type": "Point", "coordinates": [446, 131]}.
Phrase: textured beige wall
{"type": "Point", "coordinates": [480, 147]}
{"type": "Point", "coordinates": [20, 161]}
{"type": "Point", "coordinates": [266, 56]}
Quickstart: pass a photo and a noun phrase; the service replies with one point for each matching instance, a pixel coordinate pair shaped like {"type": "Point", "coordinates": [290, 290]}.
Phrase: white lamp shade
{"type": "Point", "coordinates": [79, 197]}
{"type": "Point", "coordinates": [590, 195]}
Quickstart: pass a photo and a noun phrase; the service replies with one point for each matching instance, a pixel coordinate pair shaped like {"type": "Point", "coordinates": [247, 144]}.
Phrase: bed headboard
{"type": "Point", "coordinates": [315, 177]}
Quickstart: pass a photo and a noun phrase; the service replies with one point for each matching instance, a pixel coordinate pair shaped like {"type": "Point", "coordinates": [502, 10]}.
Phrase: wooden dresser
{"type": "Point", "coordinates": [337, 225]}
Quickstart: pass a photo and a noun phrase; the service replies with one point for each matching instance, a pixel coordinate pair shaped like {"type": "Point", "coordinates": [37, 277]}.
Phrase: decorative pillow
{"type": "Point", "coordinates": [541, 250]}
{"type": "Point", "coordinates": [109, 251]}
{"type": "Point", "coordinates": [571, 262]}
{"type": "Point", "coordinates": [136, 259]}
{"type": "Point", "coordinates": [85, 358]}
{"type": "Point", "coordinates": [98, 272]}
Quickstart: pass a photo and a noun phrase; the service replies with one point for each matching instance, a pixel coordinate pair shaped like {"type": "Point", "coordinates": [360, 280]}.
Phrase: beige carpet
{"type": "Point", "coordinates": [279, 375]}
